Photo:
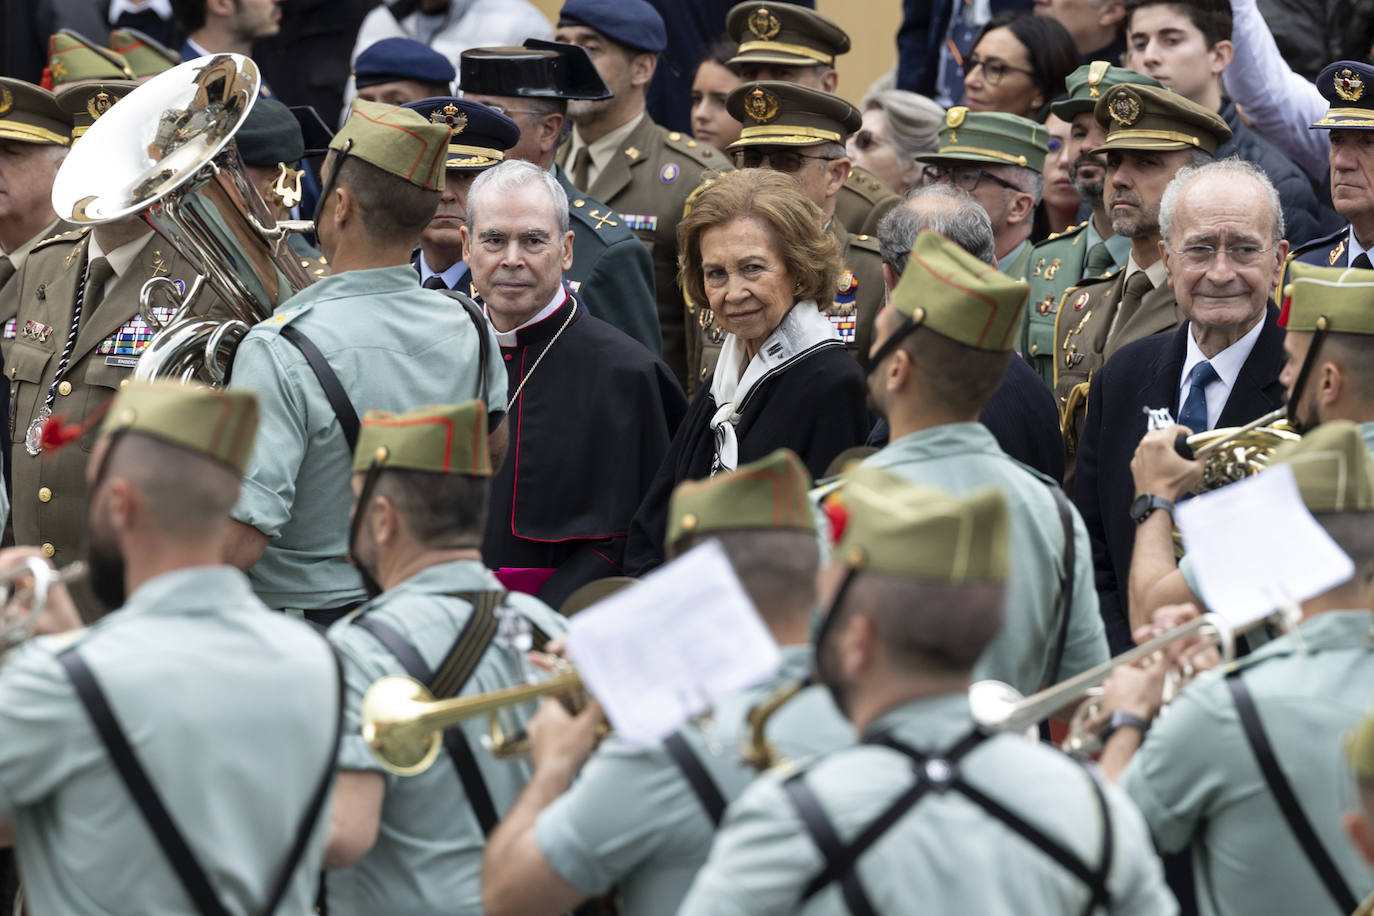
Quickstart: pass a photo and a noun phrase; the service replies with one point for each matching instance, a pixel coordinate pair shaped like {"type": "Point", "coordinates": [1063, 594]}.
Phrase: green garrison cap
{"type": "Point", "coordinates": [991, 136]}
{"type": "Point", "coordinates": [1333, 467]}
{"type": "Point", "coordinates": [219, 424]}
{"type": "Point", "coordinates": [31, 114]}
{"type": "Point", "coordinates": [1086, 85]}
{"type": "Point", "coordinates": [1155, 118]}
{"type": "Point", "coordinates": [1359, 748]}
{"type": "Point", "coordinates": [397, 141]}
{"type": "Point", "coordinates": [73, 57]}
{"type": "Point", "coordinates": [145, 55]}
{"type": "Point", "coordinates": [446, 439]}
{"type": "Point", "coordinates": [1334, 299]}
{"type": "Point", "coordinates": [786, 114]}
{"type": "Point", "coordinates": [896, 527]}
{"type": "Point", "coordinates": [781, 33]}
{"type": "Point", "coordinates": [948, 290]}
{"type": "Point", "coordinates": [83, 103]}
{"type": "Point", "coordinates": [766, 494]}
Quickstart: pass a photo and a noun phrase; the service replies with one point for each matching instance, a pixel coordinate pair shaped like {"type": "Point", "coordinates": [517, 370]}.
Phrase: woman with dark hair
{"type": "Point", "coordinates": [714, 80]}
{"type": "Point", "coordinates": [1018, 65]}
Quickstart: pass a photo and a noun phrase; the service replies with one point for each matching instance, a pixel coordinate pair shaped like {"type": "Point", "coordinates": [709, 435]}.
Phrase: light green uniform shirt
{"type": "Point", "coordinates": [394, 347]}
{"type": "Point", "coordinates": [1015, 264]}
{"type": "Point", "coordinates": [228, 707]}
{"type": "Point", "coordinates": [428, 855]}
{"type": "Point", "coordinates": [945, 855]}
{"type": "Point", "coordinates": [1196, 780]}
{"type": "Point", "coordinates": [631, 819]}
{"type": "Point", "coordinates": [961, 457]}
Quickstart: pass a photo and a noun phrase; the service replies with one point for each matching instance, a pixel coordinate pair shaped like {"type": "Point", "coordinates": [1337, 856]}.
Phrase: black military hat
{"type": "Point", "coordinates": [480, 135]}
{"type": "Point", "coordinates": [269, 135]}
{"type": "Point", "coordinates": [540, 69]}
{"type": "Point", "coordinates": [785, 114]}
{"type": "Point", "coordinates": [781, 33]}
{"type": "Point", "coordinates": [1345, 84]}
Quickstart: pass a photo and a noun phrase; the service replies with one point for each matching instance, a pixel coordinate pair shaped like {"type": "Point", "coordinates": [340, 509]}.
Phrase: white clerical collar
{"type": "Point", "coordinates": [509, 338]}
{"type": "Point", "coordinates": [1227, 364]}
{"type": "Point", "coordinates": [450, 276]}
{"type": "Point", "coordinates": [163, 8]}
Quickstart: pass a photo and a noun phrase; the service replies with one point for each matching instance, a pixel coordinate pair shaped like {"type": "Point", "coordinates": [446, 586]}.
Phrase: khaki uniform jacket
{"type": "Point", "coordinates": [863, 201]}
{"type": "Point", "coordinates": [648, 183]}
{"type": "Point", "coordinates": [9, 292]}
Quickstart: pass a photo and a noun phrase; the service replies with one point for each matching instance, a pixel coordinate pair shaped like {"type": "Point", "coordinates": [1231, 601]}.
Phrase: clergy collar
{"type": "Point", "coordinates": [540, 327]}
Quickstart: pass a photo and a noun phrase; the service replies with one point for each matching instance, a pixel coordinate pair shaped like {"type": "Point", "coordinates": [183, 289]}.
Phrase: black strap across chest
{"type": "Point", "coordinates": [329, 381]}
{"type": "Point", "coordinates": [1287, 801]}
{"type": "Point", "coordinates": [937, 773]}
{"type": "Point", "coordinates": [452, 676]}
{"type": "Point", "coordinates": [479, 322]}
{"type": "Point", "coordinates": [694, 771]}
{"type": "Point", "coordinates": [145, 795]}
{"type": "Point", "coordinates": [1066, 580]}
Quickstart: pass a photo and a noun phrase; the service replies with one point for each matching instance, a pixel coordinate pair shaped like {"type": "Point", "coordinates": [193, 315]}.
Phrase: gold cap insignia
{"type": "Point", "coordinates": [1349, 86]}
{"type": "Point", "coordinates": [762, 105]}
{"type": "Point", "coordinates": [6, 100]}
{"type": "Point", "coordinates": [1096, 71]}
{"type": "Point", "coordinates": [451, 116]}
{"type": "Point", "coordinates": [98, 104]}
{"type": "Point", "coordinates": [955, 116]}
{"type": "Point", "coordinates": [764, 24]}
{"type": "Point", "coordinates": [1124, 107]}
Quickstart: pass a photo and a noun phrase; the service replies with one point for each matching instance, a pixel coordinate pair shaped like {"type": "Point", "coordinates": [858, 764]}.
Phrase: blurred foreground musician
{"type": "Point", "coordinates": [412, 846]}
{"type": "Point", "coordinates": [1266, 838]}
{"type": "Point", "coordinates": [928, 813]}
{"type": "Point", "coordinates": [176, 755]}
{"type": "Point", "coordinates": [643, 819]}
{"type": "Point", "coordinates": [1358, 820]}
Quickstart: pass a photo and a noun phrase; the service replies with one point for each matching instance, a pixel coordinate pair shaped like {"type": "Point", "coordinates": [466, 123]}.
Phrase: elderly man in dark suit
{"type": "Point", "coordinates": [1223, 248]}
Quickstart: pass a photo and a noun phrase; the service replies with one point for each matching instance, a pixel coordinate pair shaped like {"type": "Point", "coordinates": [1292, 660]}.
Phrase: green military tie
{"type": "Point", "coordinates": [97, 276]}
{"type": "Point", "coordinates": [1099, 261]}
{"type": "Point", "coordinates": [1136, 287]}
{"type": "Point", "coordinates": [6, 270]}
{"type": "Point", "coordinates": [581, 165]}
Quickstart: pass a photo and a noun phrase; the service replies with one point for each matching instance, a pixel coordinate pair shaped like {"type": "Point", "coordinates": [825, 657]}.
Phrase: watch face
{"type": "Point", "coordinates": [1139, 506]}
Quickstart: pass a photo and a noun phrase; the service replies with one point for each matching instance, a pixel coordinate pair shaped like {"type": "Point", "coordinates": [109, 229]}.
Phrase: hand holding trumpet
{"type": "Point", "coordinates": [57, 613]}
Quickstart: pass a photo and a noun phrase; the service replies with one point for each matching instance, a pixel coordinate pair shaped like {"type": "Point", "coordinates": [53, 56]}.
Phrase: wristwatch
{"type": "Point", "coordinates": [1146, 503]}
{"type": "Point", "coordinates": [1121, 719]}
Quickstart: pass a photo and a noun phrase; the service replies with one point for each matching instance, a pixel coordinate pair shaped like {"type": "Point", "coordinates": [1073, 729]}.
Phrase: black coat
{"type": "Point", "coordinates": [815, 406]}
{"type": "Point", "coordinates": [1146, 374]}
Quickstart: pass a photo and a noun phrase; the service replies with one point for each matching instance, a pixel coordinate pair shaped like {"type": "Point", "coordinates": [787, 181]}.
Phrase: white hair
{"type": "Point", "coordinates": [1227, 169]}
{"type": "Point", "coordinates": [510, 176]}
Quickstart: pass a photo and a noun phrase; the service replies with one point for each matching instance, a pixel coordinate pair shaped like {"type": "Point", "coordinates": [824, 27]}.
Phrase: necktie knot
{"type": "Point", "coordinates": [1361, 262]}
{"type": "Point", "coordinates": [581, 168]}
{"type": "Point", "coordinates": [1194, 412]}
{"type": "Point", "coordinates": [434, 281]}
{"type": "Point", "coordinates": [1204, 374]}
{"type": "Point", "coordinates": [97, 275]}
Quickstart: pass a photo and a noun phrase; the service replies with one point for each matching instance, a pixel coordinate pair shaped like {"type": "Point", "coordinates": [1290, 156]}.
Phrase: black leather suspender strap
{"type": "Point", "coordinates": [1282, 791]}
{"type": "Point", "coordinates": [1066, 580]}
{"type": "Point", "coordinates": [479, 321]}
{"type": "Point", "coordinates": [817, 823]}
{"type": "Point", "coordinates": [333, 388]}
{"type": "Point", "coordinates": [703, 786]}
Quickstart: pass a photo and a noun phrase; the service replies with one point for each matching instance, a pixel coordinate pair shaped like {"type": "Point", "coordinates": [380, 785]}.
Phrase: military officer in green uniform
{"type": "Point", "coordinates": [1089, 249]}
{"type": "Point", "coordinates": [330, 352]}
{"type": "Point", "coordinates": [792, 44]}
{"type": "Point", "coordinates": [229, 713]}
{"type": "Point", "coordinates": [642, 820]}
{"type": "Point", "coordinates": [1151, 134]}
{"type": "Point", "coordinates": [412, 845]}
{"type": "Point", "coordinates": [611, 271]}
{"type": "Point", "coordinates": [1266, 837]}
{"type": "Point", "coordinates": [801, 131]}
{"type": "Point", "coordinates": [997, 158]}
{"type": "Point", "coordinates": [941, 347]}
{"type": "Point", "coordinates": [1011, 826]}
{"type": "Point", "coordinates": [1358, 820]}
{"type": "Point", "coordinates": [618, 155]}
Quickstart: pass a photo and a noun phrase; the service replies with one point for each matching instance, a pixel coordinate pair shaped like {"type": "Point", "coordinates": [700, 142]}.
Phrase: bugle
{"type": "Point", "coordinates": [758, 752]}
{"type": "Point", "coordinates": [21, 607]}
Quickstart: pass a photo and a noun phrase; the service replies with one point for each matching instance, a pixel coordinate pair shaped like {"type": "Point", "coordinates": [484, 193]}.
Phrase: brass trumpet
{"type": "Point", "coordinates": [758, 752]}
{"type": "Point", "coordinates": [20, 608]}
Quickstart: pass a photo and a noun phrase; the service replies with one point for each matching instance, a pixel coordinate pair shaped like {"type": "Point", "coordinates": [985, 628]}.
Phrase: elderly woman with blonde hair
{"type": "Point", "coordinates": [754, 251]}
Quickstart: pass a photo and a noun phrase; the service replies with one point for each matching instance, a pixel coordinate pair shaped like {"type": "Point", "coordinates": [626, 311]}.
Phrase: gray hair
{"type": "Point", "coordinates": [1229, 168]}
{"type": "Point", "coordinates": [510, 176]}
{"type": "Point", "coordinates": [945, 208]}
{"type": "Point", "coordinates": [913, 120]}
{"type": "Point", "coordinates": [1027, 179]}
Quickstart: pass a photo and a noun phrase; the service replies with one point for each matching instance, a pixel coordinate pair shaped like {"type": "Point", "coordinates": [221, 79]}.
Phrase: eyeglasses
{"type": "Point", "coordinates": [865, 140]}
{"type": "Point", "coordinates": [788, 161]}
{"type": "Point", "coordinates": [510, 111]}
{"type": "Point", "coordinates": [994, 68]}
{"type": "Point", "coordinates": [1199, 257]}
{"type": "Point", "coordinates": [966, 177]}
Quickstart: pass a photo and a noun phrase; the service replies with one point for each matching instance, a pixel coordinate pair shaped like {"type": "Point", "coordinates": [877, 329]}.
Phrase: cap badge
{"type": "Point", "coordinates": [764, 24]}
{"type": "Point", "coordinates": [6, 100]}
{"type": "Point", "coordinates": [1349, 86]}
{"type": "Point", "coordinates": [762, 105]}
{"type": "Point", "coordinates": [955, 116]}
{"type": "Point", "coordinates": [1124, 108]}
{"type": "Point", "coordinates": [451, 116]}
{"type": "Point", "coordinates": [98, 104]}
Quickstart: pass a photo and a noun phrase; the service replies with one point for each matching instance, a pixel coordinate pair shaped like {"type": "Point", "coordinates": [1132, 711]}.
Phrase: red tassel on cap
{"type": "Point", "coordinates": [46, 81]}
{"type": "Point", "coordinates": [56, 434]}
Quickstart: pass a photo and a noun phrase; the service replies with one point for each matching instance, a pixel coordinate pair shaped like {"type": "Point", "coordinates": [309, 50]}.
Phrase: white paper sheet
{"type": "Point", "coordinates": [1254, 546]}
{"type": "Point", "coordinates": [672, 645]}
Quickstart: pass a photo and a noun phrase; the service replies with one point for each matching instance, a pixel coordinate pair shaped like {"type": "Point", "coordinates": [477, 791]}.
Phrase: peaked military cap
{"type": "Point", "coordinates": [1345, 85]}
{"type": "Point", "coordinates": [397, 141]}
{"type": "Point", "coordinates": [480, 134]}
{"type": "Point", "coordinates": [84, 102]}
{"type": "Point", "coordinates": [445, 439]}
{"type": "Point", "coordinates": [892, 526]}
{"type": "Point", "coordinates": [948, 290]}
{"type": "Point", "coordinates": [633, 23]}
{"type": "Point", "coordinates": [990, 136]}
{"type": "Point", "coordinates": [781, 33]}
{"type": "Point", "coordinates": [1087, 84]}
{"type": "Point", "coordinates": [539, 69]}
{"type": "Point", "coordinates": [30, 114]}
{"type": "Point", "coordinates": [1333, 468]}
{"type": "Point", "coordinates": [785, 114]}
{"type": "Point", "coordinates": [1359, 750]}
{"type": "Point", "coordinates": [73, 57]}
{"type": "Point", "coordinates": [770, 493]}
{"type": "Point", "coordinates": [394, 59]}
{"type": "Point", "coordinates": [217, 423]}
{"type": "Point", "coordinates": [145, 55]}
{"type": "Point", "coordinates": [1155, 118]}
{"type": "Point", "coordinates": [269, 135]}
{"type": "Point", "coordinates": [1334, 299]}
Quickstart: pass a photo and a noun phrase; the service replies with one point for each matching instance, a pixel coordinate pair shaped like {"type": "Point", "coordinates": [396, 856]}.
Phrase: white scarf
{"type": "Point", "coordinates": [801, 331]}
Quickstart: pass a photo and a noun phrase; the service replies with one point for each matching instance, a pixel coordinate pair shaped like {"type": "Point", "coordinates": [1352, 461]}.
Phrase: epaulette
{"type": "Point", "coordinates": [274, 323]}
{"type": "Point", "coordinates": [1067, 233]}
{"type": "Point", "coordinates": [598, 216]}
{"type": "Point", "coordinates": [1332, 239]}
{"type": "Point", "coordinates": [703, 154]}
{"type": "Point", "coordinates": [867, 185]}
{"type": "Point", "coordinates": [867, 243]}
{"type": "Point", "coordinates": [74, 234]}
{"type": "Point", "coordinates": [1336, 242]}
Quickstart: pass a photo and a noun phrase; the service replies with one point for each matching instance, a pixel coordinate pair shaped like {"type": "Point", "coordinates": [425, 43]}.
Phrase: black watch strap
{"type": "Point", "coordinates": [1146, 503]}
{"type": "Point", "coordinates": [1119, 720]}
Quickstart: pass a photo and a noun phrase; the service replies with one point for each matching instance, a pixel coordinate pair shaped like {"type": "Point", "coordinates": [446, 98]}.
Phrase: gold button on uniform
{"type": "Point", "coordinates": [44, 495]}
{"type": "Point", "coordinates": [49, 550]}
{"type": "Point", "coordinates": [123, 383]}
{"type": "Point", "coordinates": [65, 388]}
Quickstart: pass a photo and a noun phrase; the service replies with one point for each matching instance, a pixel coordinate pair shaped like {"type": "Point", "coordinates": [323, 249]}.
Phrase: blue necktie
{"type": "Point", "coordinates": [1194, 412]}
